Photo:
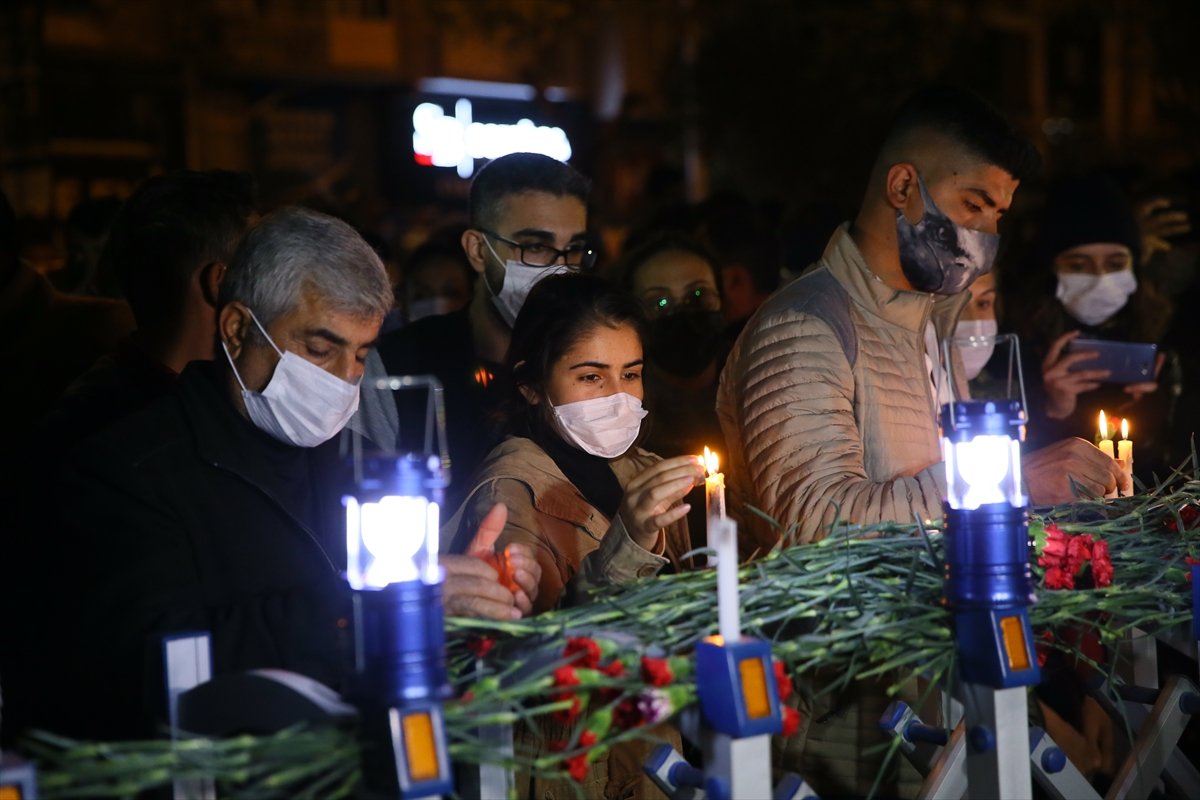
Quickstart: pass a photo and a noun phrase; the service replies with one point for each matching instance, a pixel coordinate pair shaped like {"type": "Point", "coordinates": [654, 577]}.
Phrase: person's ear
{"type": "Point", "coordinates": [210, 281]}
{"type": "Point", "coordinates": [902, 191]}
{"type": "Point", "coordinates": [475, 247]}
{"type": "Point", "coordinates": [233, 326]}
{"type": "Point", "coordinates": [530, 395]}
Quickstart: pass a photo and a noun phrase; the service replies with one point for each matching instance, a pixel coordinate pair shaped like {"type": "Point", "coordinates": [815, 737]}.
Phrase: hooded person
{"type": "Point", "coordinates": [1082, 281]}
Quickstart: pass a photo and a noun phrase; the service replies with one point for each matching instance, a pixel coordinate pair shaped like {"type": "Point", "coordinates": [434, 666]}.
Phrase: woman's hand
{"type": "Point", "coordinates": [650, 498]}
{"type": "Point", "coordinates": [1063, 386]}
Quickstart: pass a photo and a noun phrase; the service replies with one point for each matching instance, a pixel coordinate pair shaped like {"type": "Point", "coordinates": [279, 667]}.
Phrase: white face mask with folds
{"type": "Point", "coordinates": [303, 405]}
{"type": "Point", "coordinates": [975, 358]}
{"type": "Point", "coordinates": [1093, 299]}
{"type": "Point", "coordinates": [518, 280]}
{"type": "Point", "coordinates": [603, 426]}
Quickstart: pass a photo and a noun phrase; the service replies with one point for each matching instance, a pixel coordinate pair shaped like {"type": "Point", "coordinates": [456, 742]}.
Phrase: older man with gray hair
{"type": "Point", "coordinates": [217, 509]}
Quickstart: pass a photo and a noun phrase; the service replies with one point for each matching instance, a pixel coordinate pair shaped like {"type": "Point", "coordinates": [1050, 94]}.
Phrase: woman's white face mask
{"type": "Point", "coordinates": [976, 357]}
{"type": "Point", "coordinates": [603, 426]}
{"type": "Point", "coordinates": [302, 405]}
{"type": "Point", "coordinates": [1093, 299]}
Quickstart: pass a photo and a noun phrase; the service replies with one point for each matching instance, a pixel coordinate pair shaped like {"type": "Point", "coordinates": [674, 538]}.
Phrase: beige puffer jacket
{"type": "Point", "coordinates": [814, 437]}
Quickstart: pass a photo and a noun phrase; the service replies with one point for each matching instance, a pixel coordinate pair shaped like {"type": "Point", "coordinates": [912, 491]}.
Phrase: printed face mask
{"type": "Point", "coordinates": [603, 426]}
{"type": "Point", "coordinates": [1093, 299]}
{"type": "Point", "coordinates": [975, 358]}
{"type": "Point", "coordinates": [303, 405]}
{"type": "Point", "coordinates": [518, 280]}
{"type": "Point", "coordinates": [940, 256]}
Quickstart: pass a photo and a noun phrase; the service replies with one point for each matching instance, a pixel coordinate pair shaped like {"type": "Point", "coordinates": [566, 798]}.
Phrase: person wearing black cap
{"type": "Point", "coordinates": [1083, 277]}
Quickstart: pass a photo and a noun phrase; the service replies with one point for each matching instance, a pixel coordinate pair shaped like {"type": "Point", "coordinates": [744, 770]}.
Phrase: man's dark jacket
{"type": "Point", "coordinates": [184, 517]}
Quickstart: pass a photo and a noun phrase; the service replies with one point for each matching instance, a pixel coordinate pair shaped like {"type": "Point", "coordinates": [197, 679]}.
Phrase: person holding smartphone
{"type": "Point", "coordinates": [1084, 284]}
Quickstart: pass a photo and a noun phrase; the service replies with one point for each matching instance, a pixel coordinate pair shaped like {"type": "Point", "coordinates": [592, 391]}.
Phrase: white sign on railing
{"type": "Point", "coordinates": [442, 141]}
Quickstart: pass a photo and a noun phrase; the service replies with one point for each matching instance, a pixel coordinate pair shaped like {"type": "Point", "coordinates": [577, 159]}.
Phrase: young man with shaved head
{"type": "Point", "coordinates": [828, 401]}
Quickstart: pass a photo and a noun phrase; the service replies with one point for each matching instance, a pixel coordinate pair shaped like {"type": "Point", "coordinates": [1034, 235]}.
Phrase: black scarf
{"type": "Point", "coordinates": [591, 475]}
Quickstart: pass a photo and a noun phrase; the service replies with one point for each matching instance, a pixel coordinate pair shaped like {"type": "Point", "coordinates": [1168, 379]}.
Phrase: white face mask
{"type": "Point", "coordinates": [602, 426]}
{"type": "Point", "coordinates": [1093, 299]}
{"type": "Point", "coordinates": [974, 358]}
{"type": "Point", "coordinates": [303, 405]}
{"type": "Point", "coordinates": [430, 307]}
{"type": "Point", "coordinates": [518, 280]}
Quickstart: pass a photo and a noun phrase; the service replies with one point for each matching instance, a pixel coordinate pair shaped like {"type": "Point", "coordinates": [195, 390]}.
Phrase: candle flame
{"type": "Point", "coordinates": [1103, 426]}
{"type": "Point", "coordinates": [711, 462]}
{"type": "Point", "coordinates": [1124, 428]}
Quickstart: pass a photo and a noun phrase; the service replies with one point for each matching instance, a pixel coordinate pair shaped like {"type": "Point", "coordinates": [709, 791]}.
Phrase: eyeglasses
{"type": "Point", "coordinates": [543, 255]}
{"type": "Point", "coordinates": [700, 298]}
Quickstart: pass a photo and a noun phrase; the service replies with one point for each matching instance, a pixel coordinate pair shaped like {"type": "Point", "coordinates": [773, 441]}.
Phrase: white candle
{"type": "Point", "coordinates": [1106, 444]}
{"type": "Point", "coordinates": [714, 486]}
{"type": "Point", "coordinates": [714, 497]}
{"type": "Point", "coordinates": [722, 533]}
{"type": "Point", "coordinates": [1125, 448]}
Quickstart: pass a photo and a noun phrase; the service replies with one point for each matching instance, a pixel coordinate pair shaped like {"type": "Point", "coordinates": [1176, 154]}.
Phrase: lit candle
{"type": "Point", "coordinates": [1125, 448]}
{"type": "Point", "coordinates": [714, 496]}
{"type": "Point", "coordinates": [722, 537]}
{"type": "Point", "coordinates": [1106, 444]}
{"type": "Point", "coordinates": [714, 486]}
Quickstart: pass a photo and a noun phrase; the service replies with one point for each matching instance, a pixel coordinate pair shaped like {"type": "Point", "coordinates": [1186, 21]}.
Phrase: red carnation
{"type": "Point", "coordinates": [626, 714]}
{"type": "Point", "coordinates": [480, 645]}
{"type": "Point", "coordinates": [783, 681]}
{"type": "Point", "coordinates": [1054, 549]}
{"type": "Point", "coordinates": [1102, 568]}
{"type": "Point", "coordinates": [791, 721]}
{"type": "Point", "coordinates": [1058, 578]}
{"type": "Point", "coordinates": [587, 739]}
{"type": "Point", "coordinates": [566, 676]}
{"type": "Point", "coordinates": [656, 671]}
{"type": "Point", "coordinates": [578, 767]}
{"type": "Point", "coordinates": [1190, 563]}
{"type": "Point", "coordinates": [1079, 550]}
{"type": "Point", "coordinates": [587, 647]}
{"type": "Point", "coordinates": [1043, 650]}
{"type": "Point", "coordinates": [567, 716]}
{"type": "Point", "coordinates": [614, 669]}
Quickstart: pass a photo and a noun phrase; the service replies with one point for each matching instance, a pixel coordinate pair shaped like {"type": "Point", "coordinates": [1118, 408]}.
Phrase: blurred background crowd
{"type": "Point", "coordinates": [746, 128]}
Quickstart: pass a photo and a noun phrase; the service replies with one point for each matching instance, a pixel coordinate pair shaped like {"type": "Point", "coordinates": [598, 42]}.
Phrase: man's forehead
{"type": "Point", "coordinates": [316, 313]}
{"type": "Point", "coordinates": [541, 211]}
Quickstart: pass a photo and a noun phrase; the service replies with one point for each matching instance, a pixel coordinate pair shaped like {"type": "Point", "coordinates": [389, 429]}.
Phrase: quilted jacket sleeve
{"type": "Point", "coordinates": [787, 408]}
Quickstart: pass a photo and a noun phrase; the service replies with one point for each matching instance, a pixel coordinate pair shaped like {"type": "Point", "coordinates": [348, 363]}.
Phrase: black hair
{"type": "Point", "coordinates": [970, 121]}
{"type": "Point", "coordinates": [663, 242]}
{"type": "Point", "coordinates": [522, 172]}
{"type": "Point", "coordinates": [559, 311]}
{"type": "Point", "coordinates": [171, 226]}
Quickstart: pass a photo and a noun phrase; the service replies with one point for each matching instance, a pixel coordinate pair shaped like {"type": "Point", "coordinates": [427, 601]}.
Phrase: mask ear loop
{"type": "Point", "coordinates": [488, 241]}
{"type": "Point", "coordinates": [228, 357]}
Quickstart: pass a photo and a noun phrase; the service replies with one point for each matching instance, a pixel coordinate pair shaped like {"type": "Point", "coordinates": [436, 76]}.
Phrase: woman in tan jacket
{"type": "Point", "coordinates": [595, 508]}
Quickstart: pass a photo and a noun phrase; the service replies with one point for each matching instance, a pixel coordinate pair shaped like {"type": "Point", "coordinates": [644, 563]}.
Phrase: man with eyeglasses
{"type": "Point", "coordinates": [528, 221]}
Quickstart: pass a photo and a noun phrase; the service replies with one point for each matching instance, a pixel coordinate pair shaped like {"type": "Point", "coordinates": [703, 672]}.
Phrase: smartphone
{"type": "Point", "coordinates": [1127, 362]}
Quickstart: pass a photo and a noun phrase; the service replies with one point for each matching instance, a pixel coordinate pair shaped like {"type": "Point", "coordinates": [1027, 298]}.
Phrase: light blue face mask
{"type": "Point", "coordinates": [303, 405]}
